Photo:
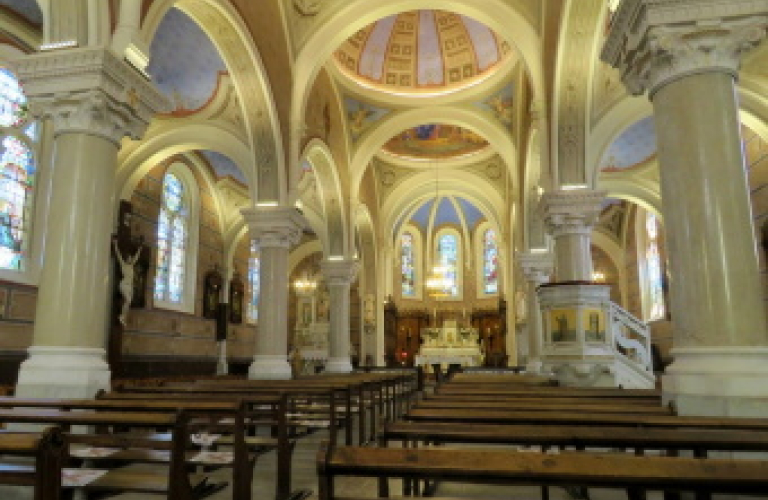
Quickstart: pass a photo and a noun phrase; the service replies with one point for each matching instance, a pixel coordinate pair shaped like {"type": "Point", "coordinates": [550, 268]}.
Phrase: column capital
{"type": "Point", "coordinates": [90, 91]}
{"type": "Point", "coordinates": [654, 42]}
{"type": "Point", "coordinates": [537, 266]}
{"type": "Point", "coordinates": [340, 272]}
{"type": "Point", "coordinates": [279, 227]}
{"type": "Point", "coordinates": [572, 211]}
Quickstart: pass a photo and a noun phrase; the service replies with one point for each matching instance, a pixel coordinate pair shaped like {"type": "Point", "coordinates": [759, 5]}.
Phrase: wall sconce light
{"type": "Point", "coordinates": [598, 277]}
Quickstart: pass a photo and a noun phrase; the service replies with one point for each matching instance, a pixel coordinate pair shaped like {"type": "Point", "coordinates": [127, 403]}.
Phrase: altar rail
{"type": "Point", "coordinates": [632, 337]}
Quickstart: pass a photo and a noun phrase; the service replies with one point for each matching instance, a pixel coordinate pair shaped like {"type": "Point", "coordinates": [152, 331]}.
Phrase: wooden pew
{"type": "Point", "coordinates": [177, 484]}
{"type": "Point", "coordinates": [533, 398]}
{"type": "Point", "coordinates": [544, 391]}
{"type": "Point", "coordinates": [48, 451]}
{"type": "Point", "coordinates": [525, 468]}
{"type": "Point", "coordinates": [544, 405]}
{"type": "Point", "coordinates": [242, 463]}
{"type": "Point", "coordinates": [254, 414]}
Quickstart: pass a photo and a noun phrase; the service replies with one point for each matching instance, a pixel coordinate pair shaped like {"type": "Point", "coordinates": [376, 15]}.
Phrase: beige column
{"type": "Point", "coordinates": [93, 100]}
{"type": "Point", "coordinates": [537, 268]}
{"type": "Point", "coordinates": [339, 275]}
{"type": "Point", "coordinates": [689, 69]}
{"type": "Point", "coordinates": [275, 230]}
{"type": "Point", "coordinates": [569, 216]}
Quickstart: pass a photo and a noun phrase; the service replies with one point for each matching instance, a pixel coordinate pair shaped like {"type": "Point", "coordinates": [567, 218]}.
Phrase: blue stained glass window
{"type": "Point", "coordinates": [172, 241]}
{"type": "Point", "coordinates": [13, 103]}
{"type": "Point", "coordinates": [490, 262]}
{"type": "Point", "coordinates": [17, 173]}
{"type": "Point", "coordinates": [407, 265]}
{"type": "Point", "coordinates": [254, 264]}
{"type": "Point", "coordinates": [653, 268]}
{"type": "Point", "coordinates": [447, 258]}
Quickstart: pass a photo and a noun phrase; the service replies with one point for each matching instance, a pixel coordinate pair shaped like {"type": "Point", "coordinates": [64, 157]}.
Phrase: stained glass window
{"type": "Point", "coordinates": [254, 285]}
{"type": "Point", "coordinates": [448, 259]}
{"type": "Point", "coordinates": [407, 265]}
{"type": "Point", "coordinates": [653, 268]}
{"type": "Point", "coordinates": [17, 172]}
{"type": "Point", "coordinates": [172, 238]}
{"type": "Point", "coordinates": [490, 262]}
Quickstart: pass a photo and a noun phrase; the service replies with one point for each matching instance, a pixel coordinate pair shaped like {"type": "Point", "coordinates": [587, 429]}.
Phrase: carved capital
{"type": "Point", "coordinates": [571, 212]}
{"type": "Point", "coordinates": [654, 42]}
{"type": "Point", "coordinates": [340, 272]}
{"type": "Point", "coordinates": [274, 227]}
{"type": "Point", "coordinates": [537, 266]}
{"type": "Point", "coordinates": [89, 91]}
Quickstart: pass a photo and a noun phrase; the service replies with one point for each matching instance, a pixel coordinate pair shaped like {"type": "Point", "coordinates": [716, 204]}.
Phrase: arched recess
{"type": "Point", "coordinates": [223, 25]}
{"type": "Point", "coordinates": [499, 15]}
{"type": "Point", "coordinates": [643, 192]}
{"type": "Point", "coordinates": [301, 252]}
{"type": "Point", "coordinates": [491, 130]}
{"type": "Point", "coordinates": [319, 156]}
{"type": "Point", "coordinates": [166, 140]}
{"type": "Point", "coordinates": [368, 253]}
{"type": "Point", "coordinates": [616, 253]}
{"type": "Point", "coordinates": [419, 188]}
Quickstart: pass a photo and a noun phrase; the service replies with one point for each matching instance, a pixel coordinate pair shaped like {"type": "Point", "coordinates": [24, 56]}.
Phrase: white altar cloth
{"type": "Point", "coordinates": [464, 356]}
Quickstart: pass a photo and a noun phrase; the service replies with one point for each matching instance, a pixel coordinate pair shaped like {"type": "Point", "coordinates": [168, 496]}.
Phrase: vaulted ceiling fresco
{"type": "Point", "coordinates": [422, 51]}
{"type": "Point", "coordinates": [435, 141]}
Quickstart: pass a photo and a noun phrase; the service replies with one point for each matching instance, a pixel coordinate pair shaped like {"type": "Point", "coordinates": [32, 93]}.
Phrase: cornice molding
{"type": "Point", "coordinates": [654, 42]}
{"type": "Point", "coordinates": [90, 91]}
{"type": "Point", "coordinates": [571, 212]}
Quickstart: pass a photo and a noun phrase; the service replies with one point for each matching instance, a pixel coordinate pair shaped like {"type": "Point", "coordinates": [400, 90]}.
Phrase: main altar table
{"type": "Point", "coordinates": [464, 356]}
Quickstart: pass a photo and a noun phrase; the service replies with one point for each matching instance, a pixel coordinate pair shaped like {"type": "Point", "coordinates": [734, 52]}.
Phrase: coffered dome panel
{"type": "Point", "coordinates": [422, 51]}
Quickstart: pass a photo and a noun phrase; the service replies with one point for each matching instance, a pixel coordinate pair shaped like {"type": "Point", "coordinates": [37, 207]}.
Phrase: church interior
{"type": "Point", "coordinates": [445, 213]}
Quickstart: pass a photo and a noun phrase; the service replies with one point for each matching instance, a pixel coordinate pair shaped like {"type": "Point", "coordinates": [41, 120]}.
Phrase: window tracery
{"type": "Point", "coordinates": [408, 264]}
{"type": "Point", "coordinates": [447, 258]}
{"type": "Point", "coordinates": [254, 285]}
{"type": "Point", "coordinates": [490, 262]}
{"type": "Point", "coordinates": [656, 308]}
{"type": "Point", "coordinates": [172, 240]}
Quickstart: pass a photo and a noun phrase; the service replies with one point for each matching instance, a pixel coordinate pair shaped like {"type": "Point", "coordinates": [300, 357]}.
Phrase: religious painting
{"type": "Point", "coordinates": [212, 293]}
{"type": "Point", "coordinates": [563, 324]}
{"type": "Point", "coordinates": [593, 321]}
{"type": "Point", "coordinates": [236, 294]}
{"type": "Point", "coordinates": [435, 141]}
{"type": "Point", "coordinates": [501, 105]}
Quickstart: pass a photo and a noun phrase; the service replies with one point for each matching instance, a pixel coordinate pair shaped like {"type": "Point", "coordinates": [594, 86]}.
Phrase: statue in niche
{"type": "Point", "coordinates": [236, 294]}
{"type": "Point", "coordinates": [212, 293]}
{"type": "Point", "coordinates": [126, 286]}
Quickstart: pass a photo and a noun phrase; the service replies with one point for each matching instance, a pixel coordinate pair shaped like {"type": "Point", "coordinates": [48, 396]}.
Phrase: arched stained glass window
{"type": "Point", "coordinates": [447, 257]}
{"type": "Point", "coordinates": [172, 241]}
{"type": "Point", "coordinates": [408, 265]}
{"type": "Point", "coordinates": [490, 262]}
{"type": "Point", "coordinates": [17, 172]}
{"type": "Point", "coordinates": [653, 268]}
{"type": "Point", "coordinates": [254, 285]}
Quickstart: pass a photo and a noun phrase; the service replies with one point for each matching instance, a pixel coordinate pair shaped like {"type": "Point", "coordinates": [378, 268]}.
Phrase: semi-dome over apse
{"type": "Point", "coordinates": [422, 51]}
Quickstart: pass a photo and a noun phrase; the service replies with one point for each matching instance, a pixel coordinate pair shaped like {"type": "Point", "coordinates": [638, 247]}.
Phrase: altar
{"type": "Point", "coordinates": [449, 345]}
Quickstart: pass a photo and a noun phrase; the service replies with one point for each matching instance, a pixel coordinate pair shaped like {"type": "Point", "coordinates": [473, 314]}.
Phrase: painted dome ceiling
{"type": "Point", "coordinates": [435, 141]}
{"type": "Point", "coordinates": [423, 51]}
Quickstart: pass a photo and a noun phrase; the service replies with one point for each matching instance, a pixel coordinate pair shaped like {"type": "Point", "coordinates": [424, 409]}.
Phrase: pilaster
{"type": "Point", "coordinates": [537, 268]}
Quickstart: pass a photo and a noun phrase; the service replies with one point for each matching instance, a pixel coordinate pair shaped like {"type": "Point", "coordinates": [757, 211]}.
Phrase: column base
{"type": "Point", "coordinates": [338, 365]}
{"type": "Point", "coordinates": [270, 367]}
{"type": "Point", "coordinates": [718, 381]}
{"type": "Point", "coordinates": [533, 366]}
{"type": "Point", "coordinates": [63, 372]}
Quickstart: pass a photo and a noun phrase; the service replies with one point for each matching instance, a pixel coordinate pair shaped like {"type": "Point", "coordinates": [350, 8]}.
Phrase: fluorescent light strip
{"type": "Point", "coordinates": [58, 45]}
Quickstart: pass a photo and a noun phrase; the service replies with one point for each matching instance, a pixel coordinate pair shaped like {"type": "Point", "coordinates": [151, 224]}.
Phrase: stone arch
{"type": "Point", "coordinates": [228, 32]}
{"type": "Point", "coordinates": [319, 156]}
{"type": "Point", "coordinates": [494, 132]}
{"type": "Point", "coordinates": [499, 15]}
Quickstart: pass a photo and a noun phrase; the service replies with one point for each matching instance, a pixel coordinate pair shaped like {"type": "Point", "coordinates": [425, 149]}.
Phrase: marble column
{"type": "Point", "coordinates": [339, 275]}
{"type": "Point", "coordinates": [93, 100]}
{"type": "Point", "coordinates": [569, 216]}
{"type": "Point", "coordinates": [687, 57]}
{"type": "Point", "coordinates": [537, 268]}
{"type": "Point", "coordinates": [275, 230]}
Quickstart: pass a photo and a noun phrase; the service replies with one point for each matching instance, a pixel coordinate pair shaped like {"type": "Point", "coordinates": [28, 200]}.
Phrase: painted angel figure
{"type": "Point", "coordinates": [126, 283]}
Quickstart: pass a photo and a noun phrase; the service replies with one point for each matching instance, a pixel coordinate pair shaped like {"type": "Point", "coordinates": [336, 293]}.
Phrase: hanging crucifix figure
{"type": "Point", "coordinates": [126, 282]}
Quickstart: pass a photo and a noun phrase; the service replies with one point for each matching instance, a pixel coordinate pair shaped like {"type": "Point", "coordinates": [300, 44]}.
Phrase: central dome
{"type": "Point", "coordinates": [422, 51]}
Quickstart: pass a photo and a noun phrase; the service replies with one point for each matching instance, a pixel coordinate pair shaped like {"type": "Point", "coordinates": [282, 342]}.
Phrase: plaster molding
{"type": "Point", "coordinates": [537, 266]}
{"type": "Point", "coordinates": [274, 227]}
{"type": "Point", "coordinates": [340, 272]}
{"type": "Point", "coordinates": [654, 42]}
{"type": "Point", "coordinates": [89, 90]}
{"type": "Point", "coordinates": [571, 212]}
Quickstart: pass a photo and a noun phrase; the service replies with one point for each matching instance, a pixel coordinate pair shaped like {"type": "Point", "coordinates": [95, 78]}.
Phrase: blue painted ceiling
{"type": "Point", "coordinates": [28, 9]}
{"type": "Point", "coordinates": [635, 145]}
{"type": "Point", "coordinates": [224, 166]}
{"type": "Point", "coordinates": [185, 64]}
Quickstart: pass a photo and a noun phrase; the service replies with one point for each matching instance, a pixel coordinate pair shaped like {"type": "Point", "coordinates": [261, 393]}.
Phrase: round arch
{"type": "Point", "coordinates": [499, 15]}
{"type": "Point", "coordinates": [228, 32]}
{"type": "Point", "coordinates": [320, 157]}
{"type": "Point", "coordinates": [492, 131]}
